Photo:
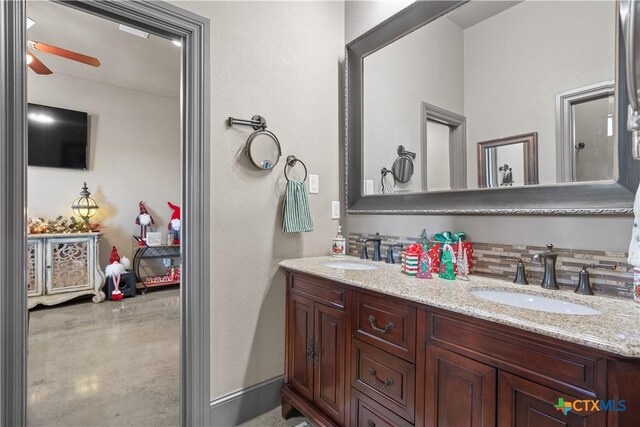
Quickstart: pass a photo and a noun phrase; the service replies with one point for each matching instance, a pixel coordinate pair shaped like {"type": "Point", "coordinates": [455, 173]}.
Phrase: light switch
{"type": "Point", "coordinates": [335, 209]}
{"type": "Point", "coordinates": [314, 183]}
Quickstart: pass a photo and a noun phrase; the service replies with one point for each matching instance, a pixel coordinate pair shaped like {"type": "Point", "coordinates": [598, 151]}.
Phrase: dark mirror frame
{"type": "Point", "coordinates": [602, 198]}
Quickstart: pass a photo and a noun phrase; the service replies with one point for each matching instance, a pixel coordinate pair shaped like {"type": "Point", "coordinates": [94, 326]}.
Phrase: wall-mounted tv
{"type": "Point", "coordinates": [57, 137]}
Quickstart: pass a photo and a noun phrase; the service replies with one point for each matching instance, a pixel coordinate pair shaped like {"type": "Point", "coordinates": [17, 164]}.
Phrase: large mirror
{"type": "Point", "coordinates": [493, 106]}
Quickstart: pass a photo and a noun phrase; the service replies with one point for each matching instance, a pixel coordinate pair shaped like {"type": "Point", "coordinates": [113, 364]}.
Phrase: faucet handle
{"type": "Point", "coordinates": [549, 247]}
{"type": "Point", "coordinates": [390, 259]}
{"type": "Point", "coordinates": [584, 284]}
{"type": "Point", "coordinates": [364, 254]}
{"type": "Point", "coordinates": [521, 275]}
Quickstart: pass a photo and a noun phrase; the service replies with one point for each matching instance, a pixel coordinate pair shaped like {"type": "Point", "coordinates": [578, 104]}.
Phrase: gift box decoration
{"type": "Point", "coordinates": [434, 257]}
{"type": "Point", "coordinates": [435, 252]}
{"type": "Point", "coordinates": [467, 247]}
{"type": "Point", "coordinates": [410, 264]}
{"type": "Point", "coordinates": [411, 259]}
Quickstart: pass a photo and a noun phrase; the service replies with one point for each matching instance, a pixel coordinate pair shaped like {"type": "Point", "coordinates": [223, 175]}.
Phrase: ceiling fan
{"type": "Point", "coordinates": [39, 68]}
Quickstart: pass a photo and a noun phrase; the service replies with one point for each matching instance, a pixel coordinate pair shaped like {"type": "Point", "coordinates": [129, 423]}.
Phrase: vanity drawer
{"type": "Point", "coordinates": [318, 290]}
{"type": "Point", "coordinates": [385, 324]}
{"type": "Point", "coordinates": [385, 378]}
{"type": "Point", "coordinates": [577, 371]}
{"type": "Point", "coordinates": [365, 412]}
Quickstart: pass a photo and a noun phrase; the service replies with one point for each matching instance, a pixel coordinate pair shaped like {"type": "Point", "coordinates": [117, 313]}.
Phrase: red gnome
{"type": "Point", "coordinates": [174, 223]}
{"type": "Point", "coordinates": [143, 220]}
{"type": "Point", "coordinates": [114, 270]}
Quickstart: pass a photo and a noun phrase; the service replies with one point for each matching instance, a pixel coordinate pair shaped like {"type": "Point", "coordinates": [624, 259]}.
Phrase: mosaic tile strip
{"type": "Point", "coordinates": [487, 262]}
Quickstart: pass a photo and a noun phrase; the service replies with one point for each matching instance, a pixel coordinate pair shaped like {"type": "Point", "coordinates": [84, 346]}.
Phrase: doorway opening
{"type": "Point", "coordinates": [162, 20]}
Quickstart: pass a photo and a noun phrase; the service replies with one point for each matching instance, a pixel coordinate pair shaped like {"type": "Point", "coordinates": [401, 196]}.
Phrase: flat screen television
{"type": "Point", "coordinates": [57, 137]}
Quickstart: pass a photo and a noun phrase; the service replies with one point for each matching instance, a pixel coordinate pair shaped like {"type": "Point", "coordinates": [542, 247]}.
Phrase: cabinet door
{"type": "Point", "coordinates": [35, 268]}
{"type": "Point", "coordinates": [329, 380]}
{"type": "Point", "coordinates": [460, 391]}
{"type": "Point", "coordinates": [301, 345]}
{"type": "Point", "coordinates": [523, 403]}
{"type": "Point", "coordinates": [69, 264]}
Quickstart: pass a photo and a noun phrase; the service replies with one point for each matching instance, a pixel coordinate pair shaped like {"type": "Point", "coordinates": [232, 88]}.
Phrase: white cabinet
{"type": "Point", "coordinates": [63, 266]}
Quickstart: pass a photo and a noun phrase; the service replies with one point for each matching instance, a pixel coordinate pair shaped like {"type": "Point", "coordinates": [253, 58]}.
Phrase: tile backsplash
{"type": "Point", "coordinates": [487, 262]}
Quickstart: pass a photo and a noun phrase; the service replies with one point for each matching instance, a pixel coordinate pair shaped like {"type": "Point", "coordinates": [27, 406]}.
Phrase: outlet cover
{"type": "Point", "coordinates": [335, 209]}
{"type": "Point", "coordinates": [314, 184]}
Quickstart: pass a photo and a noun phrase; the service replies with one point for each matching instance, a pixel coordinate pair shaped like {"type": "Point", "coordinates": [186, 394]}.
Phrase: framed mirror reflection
{"type": "Point", "coordinates": [453, 83]}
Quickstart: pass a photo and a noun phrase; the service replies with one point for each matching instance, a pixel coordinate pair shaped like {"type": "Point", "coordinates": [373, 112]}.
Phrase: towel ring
{"type": "Point", "coordinates": [291, 162]}
{"type": "Point", "coordinates": [383, 174]}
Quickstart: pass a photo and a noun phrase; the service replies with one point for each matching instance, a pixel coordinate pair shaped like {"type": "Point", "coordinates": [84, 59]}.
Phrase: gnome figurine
{"type": "Point", "coordinates": [174, 223]}
{"type": "Point", "coordinates": [114, 270]}
{"type": "Point", "coordinates": [143, 220]}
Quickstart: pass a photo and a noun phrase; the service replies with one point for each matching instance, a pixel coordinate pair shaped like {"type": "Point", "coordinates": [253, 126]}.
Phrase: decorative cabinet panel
{"type": "Point", "coordinates": [460, 391]}
{"type": "Point", "coordinates": [69, 265]}
{"type": "Point", "coordinates": [329, 362]}
{"type": "Point", "coordinates": [35, 265]}
{"type": "Point", "coordinates": [523, 403]}
{"type": "Point", "coordinates": [61, 267]}
{"type": "Point", "coordinates": [301, 346]}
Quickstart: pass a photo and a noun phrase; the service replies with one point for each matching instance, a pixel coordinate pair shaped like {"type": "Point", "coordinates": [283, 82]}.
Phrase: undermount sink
{"type": "Point", "coordinates": [350, 266]}
{"type": "Point", "coordinates": [535, 302]}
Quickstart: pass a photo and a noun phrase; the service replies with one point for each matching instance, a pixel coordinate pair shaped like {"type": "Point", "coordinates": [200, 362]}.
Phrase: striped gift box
{"type": "Point", "coordinates": [410, 263]}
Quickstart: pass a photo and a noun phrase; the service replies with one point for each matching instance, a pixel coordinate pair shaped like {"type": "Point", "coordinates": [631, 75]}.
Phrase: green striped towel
{"type": "Point", "coordinates": [296, 216]}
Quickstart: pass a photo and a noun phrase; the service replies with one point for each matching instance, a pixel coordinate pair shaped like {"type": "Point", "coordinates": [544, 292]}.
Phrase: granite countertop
{"type": "Point", "coordinates": [616, 330]}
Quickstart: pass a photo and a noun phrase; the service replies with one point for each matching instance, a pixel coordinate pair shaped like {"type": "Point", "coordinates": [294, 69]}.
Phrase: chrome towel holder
{"type": "Point", "coordinates": [291, 162]}
{"type": "Point", "coordinates": [257, 122]}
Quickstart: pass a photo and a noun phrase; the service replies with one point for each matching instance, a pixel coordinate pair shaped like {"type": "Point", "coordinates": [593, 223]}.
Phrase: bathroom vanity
{"type": "Point", "coordinates": [369, 346]}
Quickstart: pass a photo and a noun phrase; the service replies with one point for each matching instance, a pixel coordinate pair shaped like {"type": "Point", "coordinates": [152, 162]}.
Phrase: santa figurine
{"type": "Point", "coordinates": [114, 270]}
{"type": "Point", "coordinates": [174, 223]}
{"type": "Point", "coordinates": [143, 220]}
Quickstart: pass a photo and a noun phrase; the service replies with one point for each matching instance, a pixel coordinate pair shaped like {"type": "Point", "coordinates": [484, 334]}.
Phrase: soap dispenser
{"type": "Point", "coordinates": [338, 248]}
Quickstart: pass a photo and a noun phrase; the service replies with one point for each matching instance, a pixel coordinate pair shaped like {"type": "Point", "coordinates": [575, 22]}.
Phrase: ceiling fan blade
{"type": "Point", "coordinates": [37, 66]}
{"type": "Point", "coordinates": [54, 50]}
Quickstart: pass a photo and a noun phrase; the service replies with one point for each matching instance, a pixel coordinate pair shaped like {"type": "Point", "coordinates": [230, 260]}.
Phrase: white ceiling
{"type": "Point", "coordinates": [474, 12]}
{"type": "Point", "coordinates": [149, 65]}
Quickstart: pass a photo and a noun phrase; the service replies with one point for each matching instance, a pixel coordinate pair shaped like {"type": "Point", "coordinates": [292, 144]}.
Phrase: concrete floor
{"type": "Point", "coordinates": [108, 364]}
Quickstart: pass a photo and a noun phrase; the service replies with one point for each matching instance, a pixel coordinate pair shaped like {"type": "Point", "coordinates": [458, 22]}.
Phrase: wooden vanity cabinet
{"type": "Point", "coordinates": [360, 358]}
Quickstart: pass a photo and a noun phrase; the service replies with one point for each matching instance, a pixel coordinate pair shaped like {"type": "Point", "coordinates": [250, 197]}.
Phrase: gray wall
{"type": "Point", "coordinates": [505, 71]}
{"type": "Point", "coordinates": [424, 69]}
{"type": "Point", "coordinates": [282, 60]}
{"type": "Point", "coordinates": [609, 233]}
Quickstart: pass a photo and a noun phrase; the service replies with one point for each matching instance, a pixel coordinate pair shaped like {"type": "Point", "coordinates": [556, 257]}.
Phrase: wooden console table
{"type": "Point", "coordinates": [61, 267]}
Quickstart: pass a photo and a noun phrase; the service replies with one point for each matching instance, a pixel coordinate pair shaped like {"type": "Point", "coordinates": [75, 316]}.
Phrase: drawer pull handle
{"type": "Point", "coordinates": [371, 423]}
{"type": "Point", "coordinates": [387, 327]}
{"type": "Point", "coordinates": [377, 382]}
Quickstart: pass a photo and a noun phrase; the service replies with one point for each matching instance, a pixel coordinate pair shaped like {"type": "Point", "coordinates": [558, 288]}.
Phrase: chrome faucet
{"type": "Point", "coordinates": [376, 248]}
{"type": "Point", "coordinates": [549, 280]}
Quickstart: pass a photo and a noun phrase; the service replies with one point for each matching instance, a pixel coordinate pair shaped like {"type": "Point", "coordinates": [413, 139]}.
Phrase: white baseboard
{"type": "Point", "coordinates": [240, 406]}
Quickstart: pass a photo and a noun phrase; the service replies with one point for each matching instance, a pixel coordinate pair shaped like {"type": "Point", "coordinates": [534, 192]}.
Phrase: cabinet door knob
{"type": "Point", "coordinates": [371, 423]}
{"type": "Point", "coordinates": [387, 327]}
{"type": "Point", "coordinates": [377, 382]}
